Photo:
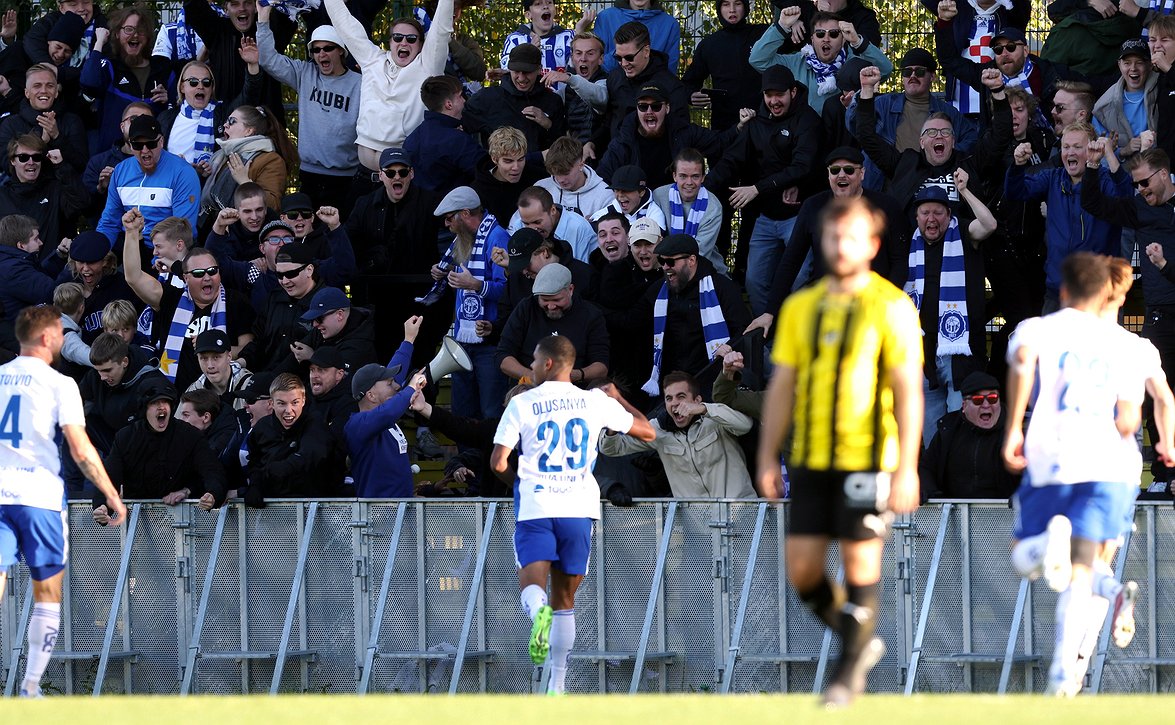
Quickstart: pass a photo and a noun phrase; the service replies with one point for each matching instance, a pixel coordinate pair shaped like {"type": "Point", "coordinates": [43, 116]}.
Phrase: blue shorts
{"type": "Point", "coordinates": [40, 535]}
{"type": "Point", "coordinates": [1097, 510]}
{"type": "Point", "coordinates": [566, 543]}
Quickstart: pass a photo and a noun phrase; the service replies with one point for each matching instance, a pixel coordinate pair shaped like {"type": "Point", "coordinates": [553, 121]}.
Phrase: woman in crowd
{"type": "Point", "coordinates": [255, 148]}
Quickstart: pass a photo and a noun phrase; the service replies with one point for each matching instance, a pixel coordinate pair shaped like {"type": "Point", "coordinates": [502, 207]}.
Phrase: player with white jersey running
{"type": "Point", "coordinates": [556, 426]}
{"type": "Point", "coordinates": [1074, 453]}
{"type": "Point", "coordinates": [35, 402]}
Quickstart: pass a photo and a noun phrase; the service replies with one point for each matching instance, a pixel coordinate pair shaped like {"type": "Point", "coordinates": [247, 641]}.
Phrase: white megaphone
{"type": "Point", "coordinates": [449, 359]}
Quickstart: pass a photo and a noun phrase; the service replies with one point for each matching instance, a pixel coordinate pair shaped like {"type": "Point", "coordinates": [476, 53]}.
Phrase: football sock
{"type": "Point", "coordinates": [43, 627]}
{"type": "Point", "coordinates": [858, 618]}
{"type": "Point", "coordinates": [533, 598]}
{"type": "Point", "coordinates": [825, 601]}
{"type": "Point", "coordinates": [1072, 620]}
{"type": "Point", "coordinates": [562, 640]}
{"type": "Point", "coordinates": [1105, 585]}
{"type": "Point", "coordinates": [1028, 555]}
{"type": "Point", "coordinates": [1099, 607]}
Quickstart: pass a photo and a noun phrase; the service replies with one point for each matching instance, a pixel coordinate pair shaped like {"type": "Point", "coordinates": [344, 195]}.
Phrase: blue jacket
{"type": "Point", "coordinates": [22, 282]}
{"type": "Point", "coordinates": [1069, 228]}
{"type": "Point", "coordinates": [116, 87]}
{"type": "Point", "coordinates": [664, 31]}
{"type": "Point", "coordinates": [889, 108]}
{"type": "Point", "coordinates": [378, 448]}
{"type": "Point", "coordinates": [443, 156]}
{"type": "Point", "coordinates": [173, 189]}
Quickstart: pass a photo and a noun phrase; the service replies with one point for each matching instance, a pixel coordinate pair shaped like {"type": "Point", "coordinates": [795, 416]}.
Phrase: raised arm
{"type": "Point", "coordinates": [984, 223]}
{"type": "Point", "coordinates": [354, 34]}
{"type": "Point", "coordinates": [148, 289]}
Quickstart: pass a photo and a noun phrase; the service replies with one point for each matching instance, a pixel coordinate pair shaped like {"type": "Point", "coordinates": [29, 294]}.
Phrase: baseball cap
{"type": "Point", "coordinates": [89, 247]}
{"type": "Point", "coordinates": [654, 91]}
{"type": "Point", "coordinates": [160, 390]}
{"type": "Point", "coordinates": [525, 58]}
{"type": "Point", "coordinates": [325, 34]}
{"type": "Point", "coordinates": [327, 299]}
{"type": "Point", "coordinates": [677, 244]}
{"type": "Point", "coordinates": [369, 375]}
{"type": "Point", "coordinates": [551, 279]}
{"type": "Point", "coordinates": [1015, 35]}
{"type": "Point", "coordinates": [977, 381]}
{"type": "Point", "coordinates": [1134, 46]}
{"type": "Point", "coordinates": [463, 197]}
{"type": "Point", "coordinates": [644, 230]}
{"type": "Point", "coordinates": [628, 178]}
{"type": "Point", "coordinates": [296, 202]}
{"type": "Point", "coordinates": [919, 56]}
{"type": "Point", "coordinates": [523, 243]}
{"type": "Point", "coordinates": [778, 78]}
{"type": "Point", "coordinates": [212, 341]}
{"type": "Point", "coordinates": [845, 153]}
{"type": "Point", "coordinates": [931, 193]}
{"type": "Point", "coordinates": [255, 388]}
{"type": "Point", "coordinates": [143, 127]}
{"type": "Point", "coordinates": [296, 253]}
{"type": "Point", "coordinates": [327, 356]}
{"type": "Point", "coordinates": [394, 156]}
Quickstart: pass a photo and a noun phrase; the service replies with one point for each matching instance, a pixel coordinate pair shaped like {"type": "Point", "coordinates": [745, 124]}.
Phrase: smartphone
{"type": "Point", "coordinates": [714, 93]}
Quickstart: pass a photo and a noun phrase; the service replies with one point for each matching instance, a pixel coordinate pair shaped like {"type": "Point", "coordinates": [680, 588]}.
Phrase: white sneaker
{"type": "Point", "coordinates": [1062, 687]}
{"type": "Point", "coordinates": [1123, 622]}
{"type": "Point", "coordinates": [1056, 564]}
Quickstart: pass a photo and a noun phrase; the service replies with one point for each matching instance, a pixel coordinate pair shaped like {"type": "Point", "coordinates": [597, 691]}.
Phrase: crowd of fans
{"type": "Point", "coordinates": [233, 339]}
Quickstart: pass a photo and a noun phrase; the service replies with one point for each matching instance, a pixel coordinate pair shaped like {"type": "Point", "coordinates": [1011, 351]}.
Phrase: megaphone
{"type": "Point", "coordinates": [449, 359]}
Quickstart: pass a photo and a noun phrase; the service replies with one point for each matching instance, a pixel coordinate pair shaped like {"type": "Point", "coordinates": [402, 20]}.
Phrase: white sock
{"type": "Point", "coordinates": [1099, 607]}
{"type": "Point", "coordinates": [562, 640]}
{"type": "Point", "coordinates": [1028, 555]}
{"type": "Point", "coordinates": [533, 598]}
{"type": "Point", "coordinates": [1072, 618]}
{"type": "Point", "coordinates": [1105, 585]}
{"type": "Point", "coordinates": [43, 627]}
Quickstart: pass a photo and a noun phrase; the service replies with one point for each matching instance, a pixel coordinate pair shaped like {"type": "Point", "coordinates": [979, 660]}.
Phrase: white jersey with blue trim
{"type": "Point", "coordinates": [1147, 365]}
{"type": "Point", "coordinates": [558, 426]}
{"type": "Point", "coordinates": [35, 400]}
{"type": "Point", "coordinates": [1083, 367]}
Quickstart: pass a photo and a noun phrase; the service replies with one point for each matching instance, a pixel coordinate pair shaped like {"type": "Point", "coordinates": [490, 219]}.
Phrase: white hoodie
{"type": "Point", "coordinates": [593, 196]}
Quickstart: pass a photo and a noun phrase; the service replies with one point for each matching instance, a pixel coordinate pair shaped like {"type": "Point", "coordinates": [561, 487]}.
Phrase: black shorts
{"type": "Point", "coordinates": [820, 506]}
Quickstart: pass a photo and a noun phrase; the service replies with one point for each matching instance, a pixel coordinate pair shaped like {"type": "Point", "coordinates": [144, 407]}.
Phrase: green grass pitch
{"type": "Point", "coordinates": [609, 710]}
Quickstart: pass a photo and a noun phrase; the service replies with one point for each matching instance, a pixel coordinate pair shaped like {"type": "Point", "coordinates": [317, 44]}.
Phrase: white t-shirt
{"type": "Point", "coordinates": [1084, 366]}
{"type": "Point", "coordinates": [35, 400]}
{"type": "Point", "coordinates": [559, 427]}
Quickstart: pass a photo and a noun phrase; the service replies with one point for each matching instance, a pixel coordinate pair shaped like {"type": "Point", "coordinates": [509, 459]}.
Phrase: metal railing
{"type": "Point", "coordinates": [422, 596]}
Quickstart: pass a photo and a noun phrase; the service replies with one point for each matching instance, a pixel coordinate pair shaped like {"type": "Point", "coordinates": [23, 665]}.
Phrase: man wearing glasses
{"type": "Point", "coordinates": [637, 65]}
{"type": "Point", "coordinates": [278, 321]}
{"type": "Point", "coordinates": [154, 181]}
{"type": "Point", "coordinates": [963, 459]}
{"type": "Point", "coordinates": [328, 110]}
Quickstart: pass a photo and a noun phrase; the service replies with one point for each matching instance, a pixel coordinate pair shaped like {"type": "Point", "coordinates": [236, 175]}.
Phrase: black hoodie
{"type": "Point", "coordinates": [109, 409]}
{"type": "Point", "coordinates": [723, 56]}
{"type": "Point", "coordinates": [144, 463]}
{"type": "Point", "coordinates": [501, 105]}
{"type": "Point", "coordinates": [623, 91]}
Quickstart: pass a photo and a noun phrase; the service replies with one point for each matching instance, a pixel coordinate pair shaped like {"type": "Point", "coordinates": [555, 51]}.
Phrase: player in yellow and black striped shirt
{"type": "Point", "coordinates": [848, 356]}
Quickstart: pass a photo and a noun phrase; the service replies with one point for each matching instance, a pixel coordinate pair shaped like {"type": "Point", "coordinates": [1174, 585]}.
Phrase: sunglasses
{"type": "Point", "coordinates": [140, 145]}
{"type": "Point", "coordinates": [397, 173]}
{"type": "Point", "coordinates": [849, 170]}
{"type": "Point", "coordinates": [401, 37]}
{"type": "Point", "coordinates": [834, 34]}
{"type": "Point", "coordinates": [25, 158]}
{"type": "Point", "coordinates": [937, 132]}
{"type": "Point", "coordinates": [275, 241]}
{"type": "Point", "coordinates": [197, 82]}
{"type": "Point", "coordinates": [1005, 48]}
{"type": "Point", "coordinates": [291, 274]}
{"type": "Point", "coordinates": [331, 48]}
{"type": "Point", "coordinates": [654, 106]}
{"type": "Point", "coordinates": [1145, 183]}
{"type": "Point", "coordinates": [671, 261]}
{"type": "Point", "coordinates": [299, 215]}
{"type": "Point", "coordinates": [916, 72]}
{"type": "Point", "coordinates": [991, 398]}
{"type": "Point", "coordinates": [199, 273]}
{"type": "Point", "coordinates": [630, 57]}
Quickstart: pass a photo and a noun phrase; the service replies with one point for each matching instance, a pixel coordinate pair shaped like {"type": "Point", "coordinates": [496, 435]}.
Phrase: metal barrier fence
{"type": "Point", "coordinates": [682, 596]}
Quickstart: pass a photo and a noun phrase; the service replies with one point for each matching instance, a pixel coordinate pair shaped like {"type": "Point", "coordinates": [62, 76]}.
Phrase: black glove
{"type": "Point", "coordinates": [253, 497]}
{"type": "Point", "coordinates": [618, 495]}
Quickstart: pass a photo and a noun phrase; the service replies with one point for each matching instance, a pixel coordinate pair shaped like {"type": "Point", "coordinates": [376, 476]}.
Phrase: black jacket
{"type": "Point", "coordinates": [583, 324]}
{"type": "Point", "coordinates": [723, 56]}
{"type": "Point", "coordinates": [355, 342]}
{"type": "Point", "coordinates": [501, 105]}
{"type": "Point", "coordinates": [71, 134]}
{"type": "Point", "coordinates": [477, 434]}
{"type": "Point", "coordinates": [144, 463]}
{"type": "Point", "coordinates": [110, 409]}
{"type": "Point", "coordinates": [964, 461]}
{"type": "Point", "coordinates": [499, 197]}
{"type": "Point", "coordinates": [36, 44]}
{"type": "Point", "coordinates": [276, 326]}
{"type": "Point", "coordinates": [622, 287]}
{"type": "Point", "coordinates": [626, 144]}
{"type": "Point", "coordinates": [301, 461]}
{"type": "Point", "coordinates": [623, 91]}
{"type": "Point", "coordinates": [519, 286]}
{"type": "Point", "coordinates": [774, 154]}
{"type": "Point", "coordinates": [55, 200]}
{"type": "Point", "coordinates": [864, 19]}
{"type": "Point", "coordinates": [395, 238]}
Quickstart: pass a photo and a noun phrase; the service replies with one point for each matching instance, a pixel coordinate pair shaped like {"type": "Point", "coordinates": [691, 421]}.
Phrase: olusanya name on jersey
{"type": "Point", "coordinates": [542, 407]}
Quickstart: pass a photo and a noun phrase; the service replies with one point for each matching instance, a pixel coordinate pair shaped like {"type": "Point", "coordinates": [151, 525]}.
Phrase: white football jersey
{"type": "Point", "coordinates": [1084, 366]}
{"type": "Point", "coordinates": [558, 426]}
{"type": "Point", "coordinates": [35, 400]}
{"type": "Point", "coordinates": [1147, 365]}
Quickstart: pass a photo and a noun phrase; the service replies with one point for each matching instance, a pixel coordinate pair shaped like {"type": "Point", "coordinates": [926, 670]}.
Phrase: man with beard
{"type": "Point", "coordinates": [529, 251]}
{"type": "Point", "coordinates": [41, 186]}
{"type": "Point", "coordinates": [652, 137]}
{"type": "Point", "coordinates": [689, 208]}
{"type": "Point", "coordinates": [329, 389]}
{"type": "Point", "coordinates": [964, 459]}
{"type": "Point", "coordinates": [96, 177]}
{"type": "Point", "coordinates": [722, 57]}
{"type": "Point", "coordinates": [442, 155]}
{"type": "Point", "coordinates": [639, 65]}
{"type": "Point", "coordinates": [519, 101]}
{"type": "Point", "coordinates": [555, 311]}
{"type": "Point", "coordinates": [41, 114]}
{"type": "Point", "coordinates": [1069, 227]}
{"type": "Point", "coordinates": [538, 210]}
{"type": "Point", "coordinates": [770, 161]}
{"type": "Point", "coordinates": [816, 65]}
{"type": "Point", "coordinates": [696, 441]}
{"type": "Point", "coordinates": [588, 99]}
{"type": "Point", "coordinates": [328, 109]}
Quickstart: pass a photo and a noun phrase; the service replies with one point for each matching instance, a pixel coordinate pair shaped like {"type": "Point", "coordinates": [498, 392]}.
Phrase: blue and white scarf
{"type": "Point", "coordinates": [953, 321]}
{"type": "Point", "coordinates": [679, 222]}
{"type": "Point", "coordinates": [205, 144]}
{"type": "Point", "coordinates": [984, 24]}
{"type": "Point", "coordinates": [185, 37]}
{"type": "Point", "coordinates": [470, 305]}
{"type": "Point", "coordinates": [825, 72]}
{"type": "Point", "coordinates": [1020, 80]}
{"type": "Point", "coordinates": [180, 321]}
{"type": "Point", "coordinates": [291, 8]}
{"type": "Point", "coordinates": [714, 328]}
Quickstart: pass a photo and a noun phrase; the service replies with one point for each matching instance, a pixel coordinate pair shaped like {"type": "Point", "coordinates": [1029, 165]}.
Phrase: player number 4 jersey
{"type": "Point", "coordinates": [557, 427]}
{"type": "Point", "coordinates": [35, 400]}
